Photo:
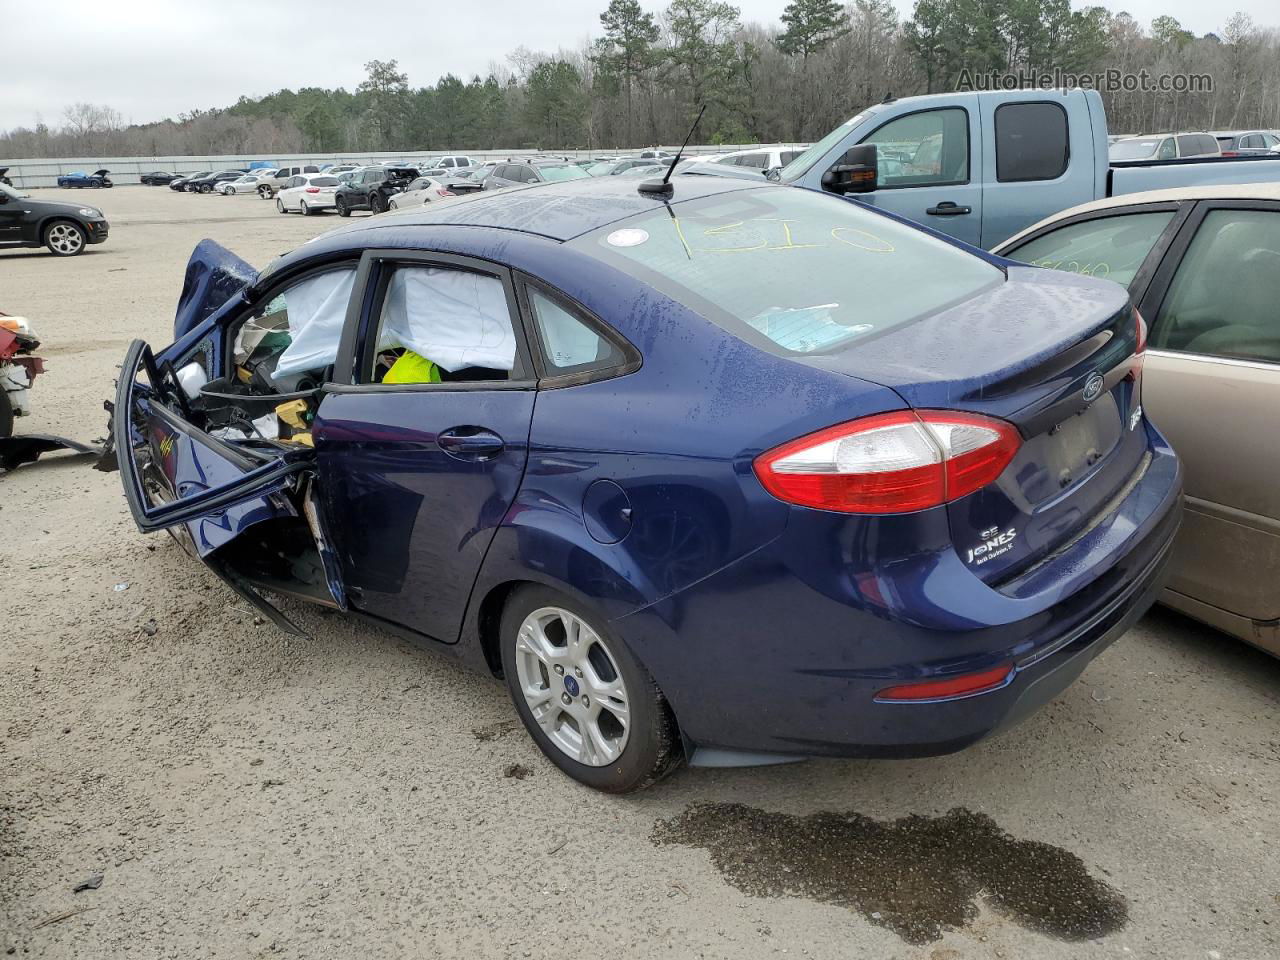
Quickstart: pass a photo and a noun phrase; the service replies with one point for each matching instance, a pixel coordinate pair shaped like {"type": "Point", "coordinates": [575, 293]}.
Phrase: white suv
{"type": "Point", "coordinates": [444, 166]}
{"type": "Point", "coordinates": [271, 183]}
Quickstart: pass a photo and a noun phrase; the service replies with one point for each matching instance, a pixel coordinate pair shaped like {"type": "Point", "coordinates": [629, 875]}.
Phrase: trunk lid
{"type": "Point", "coordinates": [1052, 354]}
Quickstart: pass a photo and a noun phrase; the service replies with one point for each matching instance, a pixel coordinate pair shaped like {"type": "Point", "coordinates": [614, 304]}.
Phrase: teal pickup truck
{"type": "Point", "coordinates": [982, 166]}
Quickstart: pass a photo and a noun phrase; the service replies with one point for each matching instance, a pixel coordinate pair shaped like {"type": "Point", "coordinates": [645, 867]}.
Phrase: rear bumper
{"type": "Point", "coordinates": [756, 659]}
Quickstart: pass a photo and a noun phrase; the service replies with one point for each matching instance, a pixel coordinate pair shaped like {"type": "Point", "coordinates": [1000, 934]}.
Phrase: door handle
{"type": "Point", "coordinates": [470, 443]}
{"type": "Point", "coordinates": [948, 209]}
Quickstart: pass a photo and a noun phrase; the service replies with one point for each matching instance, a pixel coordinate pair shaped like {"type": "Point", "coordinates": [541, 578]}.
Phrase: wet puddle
{"type": "Point", "coordinates": [918, 876]}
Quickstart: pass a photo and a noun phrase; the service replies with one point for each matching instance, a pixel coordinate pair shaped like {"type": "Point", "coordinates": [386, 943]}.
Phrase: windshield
{"type": "Point", "coordinates": [602, 168]}
{"type": "Point", "coordinates": [802, 271]}
{"type": "Point", "coordinates": [562, 171]}
{"type": "Point", "coordinates": [1134, 149]}
{"type": "Point", "coordinates": [801, 164]}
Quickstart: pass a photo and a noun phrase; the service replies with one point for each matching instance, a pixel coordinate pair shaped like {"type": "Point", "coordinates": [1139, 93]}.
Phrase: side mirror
{"type": "Point", "coordinates": [4, 198]}
{"type": "Point", "coordinates": [855, 172]}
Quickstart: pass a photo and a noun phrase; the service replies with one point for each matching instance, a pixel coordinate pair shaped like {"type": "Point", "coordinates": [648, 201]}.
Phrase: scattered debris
{"type": "Point", "coordinates": [27, 448]}
{"type": "Point", "coordinates": [255, 762]}
{"type": "Point", "coordinates": [557, 848]}
{"type": "Point", "coordinates": [272, 783]}
{"type": "Point", "coordinates": [93, 883]}
{"type": "Point", "coordinates": [1100, 697]}
{"type": "Point", "coordinates": [59, 917]}
{"type": "Point", "coordinates": [517, 771]}
{"type": "Point", "coordinates": [120, 587]}
{"type": "Point", "coordinates": [494, 731]}
{"type": "Point", "coordinates": [151, 628]}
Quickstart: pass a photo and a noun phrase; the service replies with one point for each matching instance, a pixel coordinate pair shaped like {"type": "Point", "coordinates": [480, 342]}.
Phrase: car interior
{"type": "Point", "coordinates": [436, 325]}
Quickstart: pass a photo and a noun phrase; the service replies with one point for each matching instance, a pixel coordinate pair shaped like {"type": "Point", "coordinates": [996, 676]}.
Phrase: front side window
{"type": "Point", "coordinates": [442, 324]}
{"type": "Point", "coordinates": [1113, 248]}
{"type": "Point", "coordinates": [569, 344]}
{"type": "Point", "coordinates": [923, 149]}
{"type": "Point", "coordinates": [793, 271]}
{"type": "Point", "coordinates": [293, 337]}
{"type": "Point", "coordinates": [1031, 142]}
{"type": "Point", "coordinates": [1224, 300]}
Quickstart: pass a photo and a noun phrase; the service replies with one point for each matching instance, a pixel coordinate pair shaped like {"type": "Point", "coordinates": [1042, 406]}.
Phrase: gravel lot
{"type": "Point", "coordinates": [244, 794]}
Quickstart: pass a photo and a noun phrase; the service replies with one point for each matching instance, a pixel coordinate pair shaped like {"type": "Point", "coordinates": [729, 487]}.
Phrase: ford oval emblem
{"type": "Point", "coordinates": [1093, 387]}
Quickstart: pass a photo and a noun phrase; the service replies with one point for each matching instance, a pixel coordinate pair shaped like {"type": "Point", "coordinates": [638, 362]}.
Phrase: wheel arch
{"type": "Point", "coordinates": [43, 225]}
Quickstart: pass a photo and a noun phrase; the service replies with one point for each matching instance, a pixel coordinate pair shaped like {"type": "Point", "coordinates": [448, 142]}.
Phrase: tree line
{"type": "Point", "coordinates": [642, 80]}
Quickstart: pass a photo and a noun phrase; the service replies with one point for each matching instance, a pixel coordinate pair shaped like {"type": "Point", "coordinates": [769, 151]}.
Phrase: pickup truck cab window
{"type": "Point", "coordinates": [1031, 142]}
{"type": "Point", "coordinates": [1223, 299]}
{"type": "Point", "coordinates": [1110, 247]}
{"type": "Point", "coordinates": [929, 148]}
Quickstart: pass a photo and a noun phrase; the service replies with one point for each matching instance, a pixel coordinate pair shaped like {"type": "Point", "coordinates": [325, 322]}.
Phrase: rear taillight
{"type": "Point", "coordinates": [890, 462]}
{"type": "Point", "coordinates": [1139, 346]}
{"type": "Point", "coordinates": [313, 189]}
{"type": "Point", "coordinates": [444, 193]}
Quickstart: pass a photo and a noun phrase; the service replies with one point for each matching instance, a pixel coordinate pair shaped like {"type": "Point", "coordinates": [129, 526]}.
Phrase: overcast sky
{"type": "Point", "coordinates": [157, 58]}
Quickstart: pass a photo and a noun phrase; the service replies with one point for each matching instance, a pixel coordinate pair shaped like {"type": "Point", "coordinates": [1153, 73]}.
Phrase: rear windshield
{"type": "Point", "coordinates": [792, 269]}
{"type": "Point", "coordinates": [1134, 149]}
{"type": "Point", "coordinates": [561, 171]}
{"type": "Point", "coordinates": [324, 181]}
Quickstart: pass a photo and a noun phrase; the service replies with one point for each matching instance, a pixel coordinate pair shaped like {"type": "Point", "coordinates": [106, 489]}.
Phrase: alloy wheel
{"type": "Point", "coordinates": [64, 239]}
{"type": "Point", "coordinates": [572, 686]}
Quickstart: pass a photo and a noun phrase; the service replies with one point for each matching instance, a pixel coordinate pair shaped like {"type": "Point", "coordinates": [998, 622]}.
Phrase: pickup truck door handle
{"type": "Point", "coordinates": [470, 443]}
{"type": "Point", "coordinates": [948, 209]}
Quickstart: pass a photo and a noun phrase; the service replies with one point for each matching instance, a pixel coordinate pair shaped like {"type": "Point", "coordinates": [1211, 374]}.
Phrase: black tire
{"type": "Point", "coordinates": [341, 205]}
{"type": "Point", "coordinates": [653, 744]}
{"type": "Point", "coordinates": [303, 208]}
{"type": "Point", "coordinates": [280, 206]}
{"type": "Point", "coordinates": [58, 237]}
{"type": "Point", "coordinates": [95, 184]}
{"type": "Point", "coordinates": [377, 203]}
{"type": "Point", "coordinates": [6, 415]}
{"type": "Point", "coordinates": [264, 192]}
{"type": "Point", "coordinates": [206, 188]}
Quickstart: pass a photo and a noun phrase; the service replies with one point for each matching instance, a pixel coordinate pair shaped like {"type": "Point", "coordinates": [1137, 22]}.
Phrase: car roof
{"type": "Point", "coordinates": [1224, 191]}
{"type": "Point", "coordinates": [558, 211]}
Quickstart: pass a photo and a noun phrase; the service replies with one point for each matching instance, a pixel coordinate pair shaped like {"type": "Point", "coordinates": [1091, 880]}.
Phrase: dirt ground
{"type": "Point", "coordinates": [244, 794]}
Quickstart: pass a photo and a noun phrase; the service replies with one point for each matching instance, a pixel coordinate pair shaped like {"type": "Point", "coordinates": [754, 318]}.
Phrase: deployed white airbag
{"type": "Point", "coordinates": [452, 317]}
{"type": "Point", "coordinates": [317, 308]}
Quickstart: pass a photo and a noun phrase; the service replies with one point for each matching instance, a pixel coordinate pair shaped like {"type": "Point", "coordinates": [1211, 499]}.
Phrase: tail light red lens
{"type": "Point", "coordinates": [962, 686]}
{"type": "Point", "coordinates": [1140, 345]}
{"type": "Point", "coordinates": [313, 189]}
{"type": "Point", "coordinates": [891, 462]}
{"type": "Point", "coordinates": [444, 193]}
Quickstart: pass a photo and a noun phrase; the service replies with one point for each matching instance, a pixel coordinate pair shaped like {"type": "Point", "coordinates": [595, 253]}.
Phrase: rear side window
{"type": "Point", "coordinates": [443, 324]}
{"type": "Point", "coordinates": [1113, 248]}
{"type": "Point", "coordinates": [1188, 146]}
{"type": "Point", "coordinates": [569, 344]}
{"type": "Point", "coordinates": [792, 271]}
{"type": "Point", "coordinates": [1224, 300]}
{"type": "Point", "coordinates": [1031, 142]}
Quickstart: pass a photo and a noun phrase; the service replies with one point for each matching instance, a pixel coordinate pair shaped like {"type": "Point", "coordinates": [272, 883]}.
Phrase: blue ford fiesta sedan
{"type": "Point", "coordinates": [739, 474]}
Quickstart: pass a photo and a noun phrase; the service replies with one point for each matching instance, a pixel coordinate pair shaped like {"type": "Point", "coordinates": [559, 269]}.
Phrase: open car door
{"type": "Point", "coordinates": [247, 508]}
